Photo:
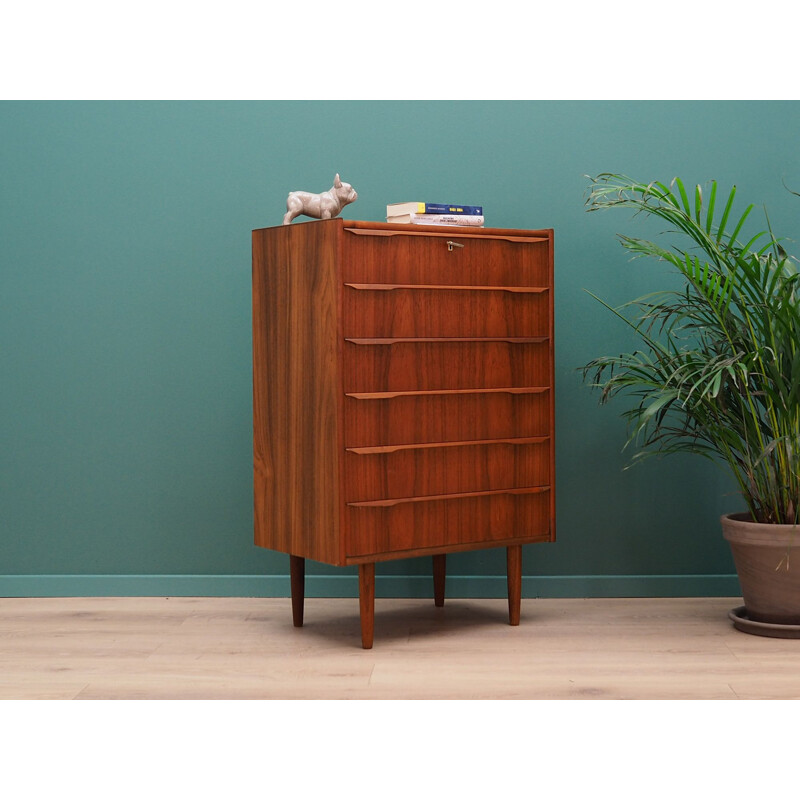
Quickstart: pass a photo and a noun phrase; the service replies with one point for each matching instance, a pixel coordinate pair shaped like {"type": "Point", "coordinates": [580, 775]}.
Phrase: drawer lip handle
{"type": "Point", "coordinates": [393, 448]}
{"type": "Point", "coordinates": [448, 339]}
{"type": "Point", "coordinates": [438, 234]}
{"type": "Point", "coordinates": [457, 496]}
{"type": "Point", "coordinates": [389, 287]}
{"type": "Point", "coordinates": [426, 392]}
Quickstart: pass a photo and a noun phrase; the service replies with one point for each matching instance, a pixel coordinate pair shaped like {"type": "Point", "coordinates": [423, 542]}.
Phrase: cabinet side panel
{"type": "Point", "coordinates": [296, 387]}
{"type": "Point", "coordinates": [551, 268]}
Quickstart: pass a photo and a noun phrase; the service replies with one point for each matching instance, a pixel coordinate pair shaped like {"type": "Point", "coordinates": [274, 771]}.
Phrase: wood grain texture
{"type": "Point", "coordinates": [441, 522]}
{"type": "Point", "coordinates": [296, 390]}
{"type": "Point", "coordinates": [444, 365]}
{"type": "Point", "coordinates": [552, 359]}
{"type": "Point", "coordinates": [445, 417]}
{"type": "Point", "coordinates": [420, 256]}
{"type": "Point", "coordinates": [462, 312]}
{"type": "Point", "coordinates": [452, 547]}
{"type": "Point", "coordinates": [246, 648]}
{"type": "Point", "coordinates": [439, 577]}
{"type": "Point", "coordinates": [403, 391]}
{"type": "Point", "coordinates": [514, 576]}
{"type": "Point", "coordinates": [297, 580]}
{"type": "Point", "coordinates": [446, 468]}
{"type": "Point", "coordinates": [366, 603]}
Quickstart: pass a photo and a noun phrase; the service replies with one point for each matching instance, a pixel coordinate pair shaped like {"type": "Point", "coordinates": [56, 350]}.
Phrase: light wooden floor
{"type": "Point", "coordinates": [247, 648]}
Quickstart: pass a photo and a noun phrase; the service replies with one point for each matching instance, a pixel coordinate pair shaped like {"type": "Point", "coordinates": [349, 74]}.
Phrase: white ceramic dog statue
{"type": "Point", "coordinates": [320, 206]}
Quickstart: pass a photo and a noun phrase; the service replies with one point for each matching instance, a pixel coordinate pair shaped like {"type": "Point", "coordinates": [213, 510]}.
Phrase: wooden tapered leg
{"type": "Point", "coordinates": [514, 563]}
{"type": "Point", "coordinates": [297, 574]}
{"type": "Point", "coordinates": [439, 572]}
{"type": "Point", "coordinates": [366, 601]}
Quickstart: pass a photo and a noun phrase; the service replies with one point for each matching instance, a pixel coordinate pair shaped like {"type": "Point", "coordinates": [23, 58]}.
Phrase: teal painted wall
{"type": "Point", "coordinates": [125, 372]}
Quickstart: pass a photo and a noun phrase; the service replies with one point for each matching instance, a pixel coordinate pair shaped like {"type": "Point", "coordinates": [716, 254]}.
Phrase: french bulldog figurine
{"type": "Point", "coordinates": [320, 206]}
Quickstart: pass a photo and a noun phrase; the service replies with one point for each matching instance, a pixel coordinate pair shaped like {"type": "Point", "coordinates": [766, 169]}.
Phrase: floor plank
{"type": "Point", "coordinates": [247, 648]}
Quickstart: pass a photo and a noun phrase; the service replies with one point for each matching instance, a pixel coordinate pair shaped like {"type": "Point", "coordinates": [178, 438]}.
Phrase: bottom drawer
{"type": "Point", "coordinates": [385, 526]}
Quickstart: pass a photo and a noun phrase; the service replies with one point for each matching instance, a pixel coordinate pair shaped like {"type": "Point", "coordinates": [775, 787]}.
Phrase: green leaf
{"type": "Point", "coordinates": [698, 203]}
{"type": "Point", "coordinates": [667, 194]}
{"type": "Point", "coordinates": [684, 198]}
{"type": "Point", "coordinates": [732, 238]}
{"type": "Point", "coordinates": [656, 405]}
{"type": "Point", "coordinates": [725, 213]}
{"type": "Point", "coordinates": [715, 384]}
{"type": "Point", "coordinates": [710, 213]}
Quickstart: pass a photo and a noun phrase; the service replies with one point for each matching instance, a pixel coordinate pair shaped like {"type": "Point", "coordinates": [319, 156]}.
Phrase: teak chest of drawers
{"type": "Point", "coordinates": [402, 396]}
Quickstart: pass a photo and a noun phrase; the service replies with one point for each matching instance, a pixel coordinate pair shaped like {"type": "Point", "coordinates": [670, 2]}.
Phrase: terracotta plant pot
{"type": "Point", "coordinates": [770, 584]}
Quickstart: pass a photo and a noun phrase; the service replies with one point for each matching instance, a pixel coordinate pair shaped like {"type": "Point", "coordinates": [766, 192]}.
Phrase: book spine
{"type": "Point", "coordinates": [450, 208]}
{"type": "Point", "coordinates": [433, 208]}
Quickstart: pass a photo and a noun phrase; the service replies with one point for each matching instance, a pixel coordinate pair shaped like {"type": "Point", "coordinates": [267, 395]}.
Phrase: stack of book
{"type": "Point", "coordinates": [435, 214]}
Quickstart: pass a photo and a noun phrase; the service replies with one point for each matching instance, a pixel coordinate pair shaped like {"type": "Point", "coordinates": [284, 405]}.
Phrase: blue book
{"type": "Point", "coordinates": [396, 209]}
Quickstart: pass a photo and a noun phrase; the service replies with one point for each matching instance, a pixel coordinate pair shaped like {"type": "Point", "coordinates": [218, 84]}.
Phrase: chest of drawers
{"type": "Point", "coordinates": [402, 396]}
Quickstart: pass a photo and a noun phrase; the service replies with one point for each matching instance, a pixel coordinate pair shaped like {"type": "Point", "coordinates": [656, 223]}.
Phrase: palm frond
{"type": "Point", "coordinates": [719, 371]}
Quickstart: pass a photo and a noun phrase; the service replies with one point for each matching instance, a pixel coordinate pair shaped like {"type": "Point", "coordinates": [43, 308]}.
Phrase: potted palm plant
{"type": "Point", "coordinates": [716, 372]}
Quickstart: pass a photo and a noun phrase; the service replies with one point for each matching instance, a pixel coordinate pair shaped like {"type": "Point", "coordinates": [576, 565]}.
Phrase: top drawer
{"type": "Point", "coordinates": [456, 256]}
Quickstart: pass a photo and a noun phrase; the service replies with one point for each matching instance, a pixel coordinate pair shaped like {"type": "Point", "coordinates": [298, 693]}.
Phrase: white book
{"type": "Point", "coordinates": [471, 220]}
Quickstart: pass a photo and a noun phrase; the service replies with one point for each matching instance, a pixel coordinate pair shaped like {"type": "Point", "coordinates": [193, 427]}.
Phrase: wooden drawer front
{"type": "Point", "coordinates": [379, 473]}
{"type": "Point", "coordinates": [402, 365]}
{"type": "Point", "coordinates": [417, 257]}
{"type": "Point", "coordinates": [438, 522]}
{"type": "Point", "coordinates": [454, 416]}
{"type": "Point", "coordinates": [390, 310]}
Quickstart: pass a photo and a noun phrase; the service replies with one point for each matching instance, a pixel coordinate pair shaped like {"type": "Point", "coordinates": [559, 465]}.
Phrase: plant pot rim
{"type": "Point", "coordinates": [740, 528]}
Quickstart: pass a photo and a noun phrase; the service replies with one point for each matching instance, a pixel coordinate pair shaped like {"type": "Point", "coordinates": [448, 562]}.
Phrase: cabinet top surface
{"type": "Point", "coordinates": [453, 230]}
